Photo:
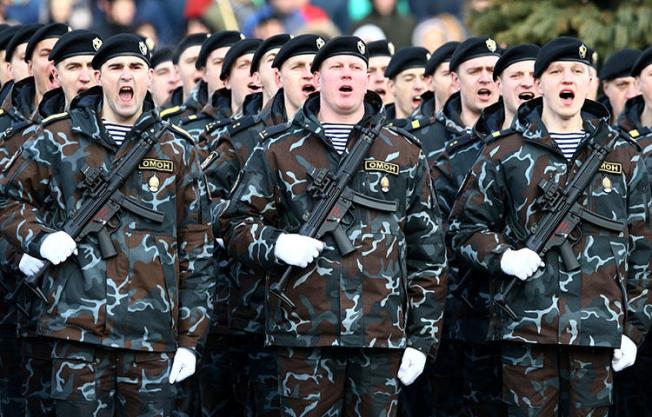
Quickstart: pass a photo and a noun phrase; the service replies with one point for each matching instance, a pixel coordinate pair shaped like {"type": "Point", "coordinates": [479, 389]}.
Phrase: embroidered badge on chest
{"type": "Point", "coordinates": [153, 164]}
{"type": "Point", "coordinates": [381, 166]}
{"type": "Point", "coordinates": [611, 167]}
{"type": "Point", "coordinates": [384, 184]}
{"type": "Point", "coordinates": [606, 184]}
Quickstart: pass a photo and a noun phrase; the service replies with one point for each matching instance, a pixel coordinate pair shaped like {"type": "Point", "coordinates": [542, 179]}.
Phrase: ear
{"type": "Point", "coordinates": [277, 78]}
{"type": "Point", "coordinates": [456, 80]}
{"type": "Point", "coordinates": [605, 86]}
{"type": "Point", "coordinates": [391, 87]}
{"type": "Point", "coordinates": [498, 83]}
{"type": "Point", "coordinates": [538, 87]}
{"type": "Point", "coordinates": [55, 72]}
{"type": "Point", "coordinates": [317, 78]}
{"type": "Point", "coordinates": [29, 68]}
{"type": "Point", "coordinates": [150, 78]}
{"type": "Point", "coordinates": [97, 76]}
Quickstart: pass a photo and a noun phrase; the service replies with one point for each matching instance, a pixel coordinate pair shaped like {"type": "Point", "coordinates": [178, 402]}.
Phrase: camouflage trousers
{"type": "Point", "coordinates": [632, 388]}
{"type": "Point", "coordinates": [36, 355]}
{"type": "Point", "coordinates": [12, 402]}
{"type": "Point", "coordinates": [551, 380]}
{"type": "Point", "coordinates": [465, 380]}
{"type": "Point", "coordinates": [238, 377]}
{"type": "Point", "coordinates": [336, 382]}
{"type": "Point", "coordinates": [90, 380]}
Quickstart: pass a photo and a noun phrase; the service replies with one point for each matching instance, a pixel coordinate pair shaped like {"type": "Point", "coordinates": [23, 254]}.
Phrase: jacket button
{"type": "Point", "coordinates": [306, 216]}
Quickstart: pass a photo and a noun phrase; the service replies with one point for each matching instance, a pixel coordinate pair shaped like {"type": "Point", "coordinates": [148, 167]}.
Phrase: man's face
{"type": "Point", "coordinates": [214, 64]}
{"type": "Point", "coordinates": [42, 68]}
{"type": "Point", "coordinates": [296, 79]}
{"type": "Point", "coordinates": [125, 81]}
{"type": "Point", "coordinates": [644, 84]}
{"type": "Point", "coordinates": [165, 81]}
{"type": "Point", "coordinates": [19, 68]}
{"type": "Point", "coordinates": [188, 74]}
{"type": "Point", "coordinates": [240, 81]}
{"type": "Point", "coordinates": [343, 82]}
{"type": "Point", "coordinates": [619, 90]}
{"type": "Point", "coordinates": [407, 88]}
{"type": "Point", "coordinates": [516, 84]}
{"type": "Point", "coordinates": [377, 80]}
{"type": "Point", "coordinates": [564, 87]}
{"type": "Point", "coordinates": [75, 74]}
{"type": "Point", "coordinates": [265, 75]}
{"type": "Point", "coordinates": [475, 82]}
{"type": "Point", "coordinates": [441, 83]}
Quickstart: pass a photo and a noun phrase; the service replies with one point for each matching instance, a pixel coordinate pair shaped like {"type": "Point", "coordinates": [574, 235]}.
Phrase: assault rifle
{"type": "Point", "coordinates": [563, 214]}
{"type": "Point", "coordinates": [101, 202]}
{"type": "Point", "coordinates": [334, 199]}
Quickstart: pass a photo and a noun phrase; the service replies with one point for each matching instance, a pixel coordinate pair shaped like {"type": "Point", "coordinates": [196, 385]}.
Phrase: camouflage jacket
{"type": "Point", "coordinates": [497, 209]}
{"type": "Point", "coordinates": [242, 295]}
{"type": "Point", "coordinates": [16, 119]}
{"type": "Point", "coordinates": [388, 293]}
{"type": "Point", "coordinates": [155, 294]}
{"type": "Point", "coordinates": [630, 123]}
{"type": "Point", "coordinates": [436, 130]}
{"type": "Point", "coordinates": [466, 321]}
{"type": "Point", "coordinates": [175, 113]}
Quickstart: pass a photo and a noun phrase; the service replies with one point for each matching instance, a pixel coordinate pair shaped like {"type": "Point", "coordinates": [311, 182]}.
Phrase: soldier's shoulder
{"type": "Point", "coordinates": [400, 131]}
{"type": "Point", "coordinates": [273, 131]}
{"type": "Point", "coordinates": [55, 118]}
{"type": "Point", "coordinates": [241, 125]}
{"type": "Point", "coordinates": [630, 137]}
{"type": "Point", "coordinates": [179, 132]}
{"type": "Point", "coordinates": [171, 111]}
{"type": "Point", "coordinates": [216, 124]}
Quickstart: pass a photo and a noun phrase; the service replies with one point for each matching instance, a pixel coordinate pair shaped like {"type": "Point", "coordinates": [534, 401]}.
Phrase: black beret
{"type": "Point", "coordinates": [517, 53]}
{"type": "Point", "coordinates": [53, 30]}
{"type": "Point", "coordinates": [563, 48]}
{"type": "Point", "coordinates": [6, 35]}
{"type": "Point", "coordinates": [441, 55]}
{"type": "Point", "coordinates": [620, 64]}
{"type": "Point", "coordinates": [644, 59]}
{"type": "Point", "coordinates": [406, 58]}
{"type": "Point", "coordinates": [123, 44]}
{"type": "Point", "coordinates": [473, 48]}
{"type": "Point", "coordinates": [162, 55]}
{"type": "Point", "coordinates": [22, 35]}
{"type": "Point", "coordinates": [381, 48]}
{"type": "Point", "coordinates": [243, 47]}
{"type": "Point", "coordinates": [196, 39]}
{"type": "Point", "coordinates": [267, 45]}
{"type": "Point", "coordinates": [341, 45]}
{"type": "Point", "coordinates": [216, 41]}
{"type": "Point", "coordinates": [75, 43]}
{"type": "Point", "coordinates": [299, 45]}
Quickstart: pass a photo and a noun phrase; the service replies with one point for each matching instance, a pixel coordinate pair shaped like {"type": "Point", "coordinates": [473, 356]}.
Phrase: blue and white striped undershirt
{"type": "Point", "coordinates": [338, 134]}
{"type": "Point", "coordinates": [568, 142]}
{"type": "Point", "coordinates": [118, 132]}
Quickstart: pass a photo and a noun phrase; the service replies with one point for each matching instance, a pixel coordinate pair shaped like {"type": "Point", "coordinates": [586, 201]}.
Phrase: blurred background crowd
{"type": "Point", "coordinates": [606, 25]}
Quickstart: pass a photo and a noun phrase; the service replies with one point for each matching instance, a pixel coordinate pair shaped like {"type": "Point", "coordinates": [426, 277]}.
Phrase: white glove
{"type": "Point", "coordinates": [57, 247]}
{"type": "Point", "coordinates": [522, 263]}
{"type": "Point", "coordinates": [412, 365]}
{"type": "Point", "coordinates": [625, 356]}
{"type": "Point", "coordinates": [30, 265]}
{"type": "Point", "coordinates": [183, 365]}
{"type": "Point", "coordinates": [297, 250]}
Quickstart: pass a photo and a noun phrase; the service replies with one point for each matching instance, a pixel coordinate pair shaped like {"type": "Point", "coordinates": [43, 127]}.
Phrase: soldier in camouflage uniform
{"type": "Point", "coordinates": [126, 326]}
{"type": "Point", "coordinates": [204, 106]}
{"type": "Point", "coordinates": [185, 61]}
{"type": "Point", "coordinates": [468, 302]}
{"type": "Point", "coordinates": [632, 394]}
{"type": "Point", "coordinates": [617, 82]}
{"type": "Point", "coordinates": [557, 353]}
{"type": "Point", "coordinates": [406, 84]}
{"type": "Point", "coordinates": [6, 76]}
{"type": "Point", "coordinates": [239, 325]}
{"type": "Point", "coordinates": [441, 83]}
{"type": "Point", "coordinates": [166, 77]}
{"type": "Point", "coordinates": [380, 53]}
{"type": "Point", "coordinates": [471, 66]}
{"type": "Point", "coordinates": [360, 317]}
